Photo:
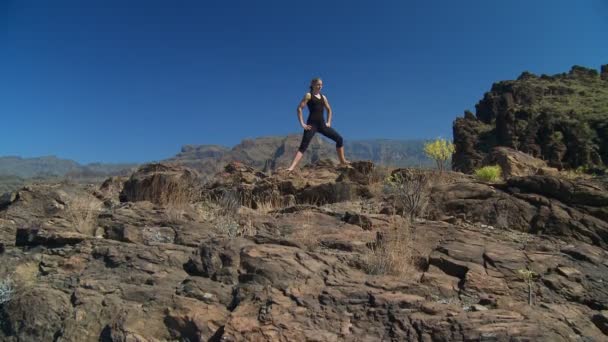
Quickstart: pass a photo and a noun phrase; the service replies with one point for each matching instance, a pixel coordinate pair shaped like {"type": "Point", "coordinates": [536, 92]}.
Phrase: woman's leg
{"type": "Point", "coordinates": [295, 161]}
{"type": "Point", "coordinates": [306, 138]}
{"type": "Point", "coordinates": [335, 136]}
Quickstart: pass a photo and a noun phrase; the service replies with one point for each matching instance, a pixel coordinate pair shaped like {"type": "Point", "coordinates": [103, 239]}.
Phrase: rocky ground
{"type": "Point", "coordinates": [323, 254]}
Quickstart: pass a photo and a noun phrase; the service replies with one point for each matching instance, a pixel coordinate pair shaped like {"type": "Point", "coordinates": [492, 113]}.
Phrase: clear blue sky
{"type": "Point", "coordinates": [118, 80]}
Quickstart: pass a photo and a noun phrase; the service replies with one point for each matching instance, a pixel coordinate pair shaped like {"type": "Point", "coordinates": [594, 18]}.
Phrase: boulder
{"type": "Point", "coordinates": [109, 191]}
{"type": "Point", "coordinates": [7, 198]}
{"type": "Point", "coordinates": [515, 163]}
{"type": "Point", "coordinates": [161, 184]}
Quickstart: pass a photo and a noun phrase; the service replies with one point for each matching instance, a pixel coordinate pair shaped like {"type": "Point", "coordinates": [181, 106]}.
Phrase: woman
{"type": "Point", "coordinates": [316, 102]}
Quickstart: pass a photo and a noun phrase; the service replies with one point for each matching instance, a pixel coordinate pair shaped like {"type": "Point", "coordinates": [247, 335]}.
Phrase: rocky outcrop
{"type": "Point", "coordinates": [550, 205]}
{"type": "Point", "coordinates": [161, 184]}
{"type": "Point", "coordinates": [559, 118]}
{"type": "Point", "coordinates": [516, 163]}
{"type": "Point", "coordinates": [302, 272]}
{"type": "Point", "coordinates": [318, 183]}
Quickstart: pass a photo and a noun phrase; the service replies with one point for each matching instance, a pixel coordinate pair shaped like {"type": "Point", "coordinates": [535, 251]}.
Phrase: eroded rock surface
{"type": "Point", "coordinates": [295, 271]}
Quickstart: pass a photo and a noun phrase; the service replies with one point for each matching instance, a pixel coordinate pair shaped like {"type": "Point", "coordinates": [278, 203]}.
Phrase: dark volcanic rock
{"type": "Point", "coordinates": [560, 119]}
{"type": "Point", "coordinates": [537, 204]}
{"type": "Point", "coordinates": [311, 272]}
{"type": "Point", "coordinates": [472, 139]}
{"type": "Point", "coordinates": [161, 184]}
{"type": "Point", "coordinates": [358, 220]}
{"type": "Point", "coordinates": [31, 237]}
{"type": "Point", "coordinates": [516, 163]}
{"type": "Point", "coordinates": [7, 198]}
{"type": "Point", "coordinates": [110, 189]}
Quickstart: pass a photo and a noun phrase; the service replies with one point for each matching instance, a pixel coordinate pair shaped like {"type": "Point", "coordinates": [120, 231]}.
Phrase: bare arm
{"type": "Point", "coordinates": [329, 112]}
{"type": "Point", "coordinates": [300, 106]}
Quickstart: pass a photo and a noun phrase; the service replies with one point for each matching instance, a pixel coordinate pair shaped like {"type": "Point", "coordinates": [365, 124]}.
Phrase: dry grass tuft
{"type": "Point", "coordinates": [391, 253]}
{"type": "Point", "coordinates": [305, 235]}
{"type": "Point", "coordinates": [378, 174]}
{"type": "Point", "coordinates": [267, 204]}
{"type": "Point", "coordinates": [177, 201]}
{"type": "Point", "coordinates": [83, 211]}
{"type": "Point", "coordinates": [176, 213]}
{"type": "Point", "coordinates": [223, 212]}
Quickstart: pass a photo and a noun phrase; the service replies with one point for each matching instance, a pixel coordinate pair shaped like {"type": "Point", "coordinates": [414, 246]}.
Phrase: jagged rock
{"type": "Point", "coordinates": [143, 235]}
{"type": "Point", "coordinates": [191, 320]}
{"type": "Point", "coordinates": [110, 190]}
{"type": "Point", "coordinates": [53, 238]}
{"type": "Point", "coordinates": [218, 260]}
{"type": "Point", "coordinates": [206, 290]}
{"type": "Point", "coordinates": [305, 272]}
{"type": "Point", "coordinates": [538, 204]}
{"type": "Point", "coordinates": [601, 321]}
{"type": "Point", "coordinates": [358, 220]}
{"type": "Point", "coordinates": [7, 198]}
{"type": "Point", "coordinates": [327, 193]}
{"type": "Point", "coordinates": [37, 314]}
{"type": "Point", "coordinates": [530, 115]}
{"type": "Point", "coordinates": [578, 193]}
{"type": "Point", "coordinates": [161, 184]}
{"type": "Point", "coordinates": [360, 172]}
{"type": "Point", "coordinates": [318, 183]}
{"type": "Point", "coordinates": [471, 137]}
{"type": "Point", "coordinates": [477, 202]}
{"type": "Point", "coordinates": [515, 163]}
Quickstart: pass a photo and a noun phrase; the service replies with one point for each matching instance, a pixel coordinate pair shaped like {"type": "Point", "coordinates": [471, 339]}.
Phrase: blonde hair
{"type": "Point", "coordinates": [313, 81]}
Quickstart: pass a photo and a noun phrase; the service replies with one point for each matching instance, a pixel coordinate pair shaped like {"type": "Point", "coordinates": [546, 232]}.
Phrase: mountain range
{"type": "Point", "coordinates": [261, 152]}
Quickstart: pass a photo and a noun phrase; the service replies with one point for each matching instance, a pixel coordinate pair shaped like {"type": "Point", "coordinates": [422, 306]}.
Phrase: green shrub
{"type": "Point", "coordinates": [490, 173]}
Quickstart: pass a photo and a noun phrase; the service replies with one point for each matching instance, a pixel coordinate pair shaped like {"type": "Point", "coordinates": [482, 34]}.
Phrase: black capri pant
{"type": "Point", "coordinates": [323, 129]}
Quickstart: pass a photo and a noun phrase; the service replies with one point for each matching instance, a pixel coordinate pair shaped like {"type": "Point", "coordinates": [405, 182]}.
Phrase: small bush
{"type": "Point", "coordinates": [410, 191]}
{"type": "Point", "coordinates": [491, 173]}
{"type": "Point", "coordinates": [528, 277]}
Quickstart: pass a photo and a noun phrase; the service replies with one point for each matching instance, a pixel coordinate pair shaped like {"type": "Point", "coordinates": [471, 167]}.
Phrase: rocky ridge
{"type": "Point", "coordinates": [255, 256]}
{"type": "Point", "coordinates": [560, 119]}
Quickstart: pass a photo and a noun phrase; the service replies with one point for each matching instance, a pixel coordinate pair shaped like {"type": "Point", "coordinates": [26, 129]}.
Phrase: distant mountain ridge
{"type": "Point", "coordinates": [278, 151]}
{"type": "Point", "coordinates": [261, 152]}
{"type": "Point", "coordinates": [51, 166]}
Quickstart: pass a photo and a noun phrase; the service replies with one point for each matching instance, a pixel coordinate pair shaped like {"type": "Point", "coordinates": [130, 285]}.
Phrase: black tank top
{"type": "Point", "coordinates": [315, 108]}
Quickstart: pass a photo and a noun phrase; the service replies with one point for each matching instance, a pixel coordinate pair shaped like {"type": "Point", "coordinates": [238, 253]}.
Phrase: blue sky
{"type": "Point", "coordinates": [117, 81]}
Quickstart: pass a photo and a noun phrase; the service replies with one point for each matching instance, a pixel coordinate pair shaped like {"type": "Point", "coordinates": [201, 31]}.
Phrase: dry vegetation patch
{"type": "Point", "coordinates": [82, 211]}
{"type": "Point", "coordinates": [391, 253]}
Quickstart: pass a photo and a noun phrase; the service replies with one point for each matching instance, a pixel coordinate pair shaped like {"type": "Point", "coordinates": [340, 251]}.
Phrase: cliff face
{"type": "Point", "coordinates": [562, 119]}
